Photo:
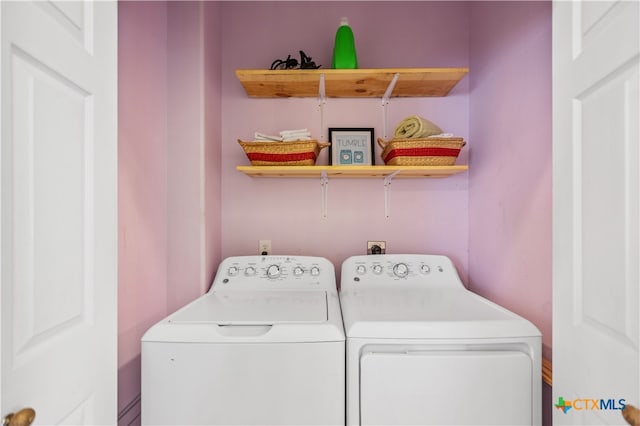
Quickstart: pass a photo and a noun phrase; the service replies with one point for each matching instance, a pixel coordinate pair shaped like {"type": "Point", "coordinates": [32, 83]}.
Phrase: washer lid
{"type": "Point", "coordinates": [255, 308]}
{"type": "Point", "coordinates": [428, 313]}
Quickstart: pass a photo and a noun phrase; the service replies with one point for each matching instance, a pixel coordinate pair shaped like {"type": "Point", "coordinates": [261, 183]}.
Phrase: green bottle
{"type": "Point", "coordinates": [344, 50]}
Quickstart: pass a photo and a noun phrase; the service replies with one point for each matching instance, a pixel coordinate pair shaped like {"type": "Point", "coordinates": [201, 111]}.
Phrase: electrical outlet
{"type": "Point", "coordinates": [264, 247]}
{"type": "Point", "coordinates": [376, 247]}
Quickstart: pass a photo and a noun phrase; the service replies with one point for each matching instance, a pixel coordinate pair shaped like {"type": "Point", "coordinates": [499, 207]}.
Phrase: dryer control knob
{"type": "Point", "coordinates": [361, 269]}
{"type": "Point", "coordinates": [401, 270]}
{"type": "Point", "coordinates": [273, 271]}
{"type": "Point", "coordinates": [233, 270]}
{"type": "Point", "coordinates": [377, 269]}
{"type": "Point", "coordinates": [315, 271]}
{"type": "Point", "coordinates": [250, 271]}
{"type": "Point", "coordinates": [425, 269]}
{"type": "Point", "coordinates": [298, 271]}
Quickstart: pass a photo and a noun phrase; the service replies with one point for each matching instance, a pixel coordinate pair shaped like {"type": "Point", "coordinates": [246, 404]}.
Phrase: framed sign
{"type": "Point", "coordinates": [351, 146]}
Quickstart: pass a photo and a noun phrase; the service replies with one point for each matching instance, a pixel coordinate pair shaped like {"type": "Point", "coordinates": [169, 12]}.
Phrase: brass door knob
{"type": "Point", "coordinates": [23, 417]}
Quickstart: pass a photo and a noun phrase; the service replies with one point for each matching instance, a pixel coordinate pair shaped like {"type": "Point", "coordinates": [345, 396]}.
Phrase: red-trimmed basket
{"type": "Point", "coordinates": [421, 151]}
{"type": "Point", "coordinates": [298, 153]}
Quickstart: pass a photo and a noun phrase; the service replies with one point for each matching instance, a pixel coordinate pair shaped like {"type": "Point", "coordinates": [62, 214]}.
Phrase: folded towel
{"type": "Point", "coordinates": [295, 135]}
{"type": "Point", "coordinates": [285, 136]}
{"type": "Point", "coordinates": [415, 127]}
{"type": "Point", "coordinates": [297, 138]}
{"type": "Point", "coordinates": [285, 133]}
{"type": "Point", "coordinates": [442, 136]}
{"type": "Point", "coordinates": [264, 137]}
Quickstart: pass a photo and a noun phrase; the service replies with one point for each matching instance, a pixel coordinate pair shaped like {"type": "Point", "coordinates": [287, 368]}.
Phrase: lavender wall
{"type": "Point", "coordinates": [510, 174]}
{"type": "Point", "coordinates": [181, 110]}
{"type": "Point", "coordinates": [426, 215]}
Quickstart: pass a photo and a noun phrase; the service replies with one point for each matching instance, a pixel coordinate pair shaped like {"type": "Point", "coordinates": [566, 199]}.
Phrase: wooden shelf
{"type": "Point", "coordinates": [350, 83]}
{"type": "Point", "coordinates": [351, 171]}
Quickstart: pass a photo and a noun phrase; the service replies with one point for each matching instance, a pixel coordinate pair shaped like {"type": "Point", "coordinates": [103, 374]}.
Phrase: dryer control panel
{"type": "Point", "coordinates": [275, 272]}
{"type": "Point", "coordinates": [394, 270]}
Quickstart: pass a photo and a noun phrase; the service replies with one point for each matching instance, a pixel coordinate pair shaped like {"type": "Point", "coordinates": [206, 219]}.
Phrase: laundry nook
{"type": "Point", "coordinates": [336, 213]}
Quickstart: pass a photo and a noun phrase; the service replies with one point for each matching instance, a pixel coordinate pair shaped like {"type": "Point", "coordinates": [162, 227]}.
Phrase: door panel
{"type": "Point", "coordinates": [75, 17]}
{"type": "Point", "coordinates": [596, 199]}
{"type": "Point", "coordinates": [53, 207]}
{"type": "Point", "coordinates": [59, 210]}
{"type": "Point", "coordinates": [607, 205]}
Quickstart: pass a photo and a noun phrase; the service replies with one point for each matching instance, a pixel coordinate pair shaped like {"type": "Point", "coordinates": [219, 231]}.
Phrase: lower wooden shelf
{"type": "Point", "coordinates": [352, 171]}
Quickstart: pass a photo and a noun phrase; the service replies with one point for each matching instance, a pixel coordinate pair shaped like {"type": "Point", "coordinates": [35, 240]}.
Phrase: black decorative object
{"type": "Point", "coordinates": [290, 63]}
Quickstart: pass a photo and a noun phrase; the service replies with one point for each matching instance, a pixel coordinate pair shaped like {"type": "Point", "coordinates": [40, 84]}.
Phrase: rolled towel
{"type": "Point", "coordinates": [415, 127]}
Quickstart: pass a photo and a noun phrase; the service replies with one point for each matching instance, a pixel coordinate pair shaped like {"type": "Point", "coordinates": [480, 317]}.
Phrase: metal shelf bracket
{"type": "Point", "coordinates": [385, 102]}
{"type": "Point", "coordinates": [324, 183]}
{"type": "Point", "coordinates": [322, 100]}
{"type": "Point", "coordinates": [387, 193]}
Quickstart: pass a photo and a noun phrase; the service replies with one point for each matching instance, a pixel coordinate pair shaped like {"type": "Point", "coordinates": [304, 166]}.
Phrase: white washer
{"type": "Point", "coordinates": [265, 345]}
{"type": "Point", "coordinates": [422, 349]}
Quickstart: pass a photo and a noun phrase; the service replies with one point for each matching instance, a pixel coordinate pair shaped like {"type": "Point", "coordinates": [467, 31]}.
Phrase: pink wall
{"type": "Point", "coordinates": [169, 169]}
{"type": "Point", "coordinates": [426, 215]}
{"type": "Point", "coordinates": [213, 146]}
{"type": "Point", "coordinates": [142, 186]}
{"type": "Point", "coordinates": [191, 141]}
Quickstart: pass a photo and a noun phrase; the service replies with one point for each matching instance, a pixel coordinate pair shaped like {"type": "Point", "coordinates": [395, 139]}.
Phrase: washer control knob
{"type": "Point", "coordinates": [377, 269]}
{"type": "Point", "coordinates": [361, 269]}
{"type": "Point", "coordinates": [233, 271]}
{"type": "Point", "coordinates": [298, 271]}
{"type": "Point", "coordinates": [425, 269]}
{"type": "Point", "coordinates": [273, 271]}
{"type": "Point", "coordinates": [315, 271]}
{"type": "Point", "coordinates": [401, 270]}
{"type": "Point", "coordinates": [250, 271]}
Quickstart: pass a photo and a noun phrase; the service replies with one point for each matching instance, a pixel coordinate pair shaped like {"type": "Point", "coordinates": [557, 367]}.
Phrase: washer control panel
{"type": "Point", "coordinates": [284, 272]}
{"type": "Point", "coordinates": [393, 270]}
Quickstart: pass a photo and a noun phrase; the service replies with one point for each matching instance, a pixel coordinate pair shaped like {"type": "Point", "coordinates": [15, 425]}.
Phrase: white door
{"type": "Point", "coordinates": [596, 210]}
{"type": "Point", "coordinates": [59, 210]}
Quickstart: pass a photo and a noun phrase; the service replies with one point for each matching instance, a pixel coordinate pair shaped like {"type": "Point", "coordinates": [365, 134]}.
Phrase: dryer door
{"type": "Point", "coordinates": [446, 387]}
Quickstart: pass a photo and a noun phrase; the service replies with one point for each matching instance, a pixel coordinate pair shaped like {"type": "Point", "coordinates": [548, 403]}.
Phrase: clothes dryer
{"type": "Point", "coordinates": [264, 346]}
{"type": "Point", "coordinates": [423, 350]}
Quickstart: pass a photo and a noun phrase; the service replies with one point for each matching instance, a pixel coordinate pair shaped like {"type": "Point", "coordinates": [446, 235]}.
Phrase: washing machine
{"type": "Point", "coordinates": [424, 350]}
{"type": "Point", "coordinates": [264, 346]}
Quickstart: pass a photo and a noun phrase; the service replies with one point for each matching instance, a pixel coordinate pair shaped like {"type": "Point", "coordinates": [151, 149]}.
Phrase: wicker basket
{"type": "Point", "coordinates": [421, 151]}
{"type": "Point", "coordinates": [298, 153]}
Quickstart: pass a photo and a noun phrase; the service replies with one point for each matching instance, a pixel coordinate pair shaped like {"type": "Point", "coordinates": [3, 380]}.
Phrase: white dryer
{"type": "Point", "coordinates": [423, 350]}
{"type": "Point", "coordinates": [265, 345]}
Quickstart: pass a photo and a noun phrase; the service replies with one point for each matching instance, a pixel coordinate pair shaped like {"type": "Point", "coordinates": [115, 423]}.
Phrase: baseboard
{"type": "Point", "coordinates": [130, 414]}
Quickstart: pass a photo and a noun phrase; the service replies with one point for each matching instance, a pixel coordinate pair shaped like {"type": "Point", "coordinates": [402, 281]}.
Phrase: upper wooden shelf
{"type": "Point", "coordinates": [352, 171]}
{"type": "Point", "coordinates": [350, 83]}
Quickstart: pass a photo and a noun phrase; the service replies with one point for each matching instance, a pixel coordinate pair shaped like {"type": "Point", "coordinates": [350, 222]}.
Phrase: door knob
{"type": "Point", "coordinates": [23, 417]}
